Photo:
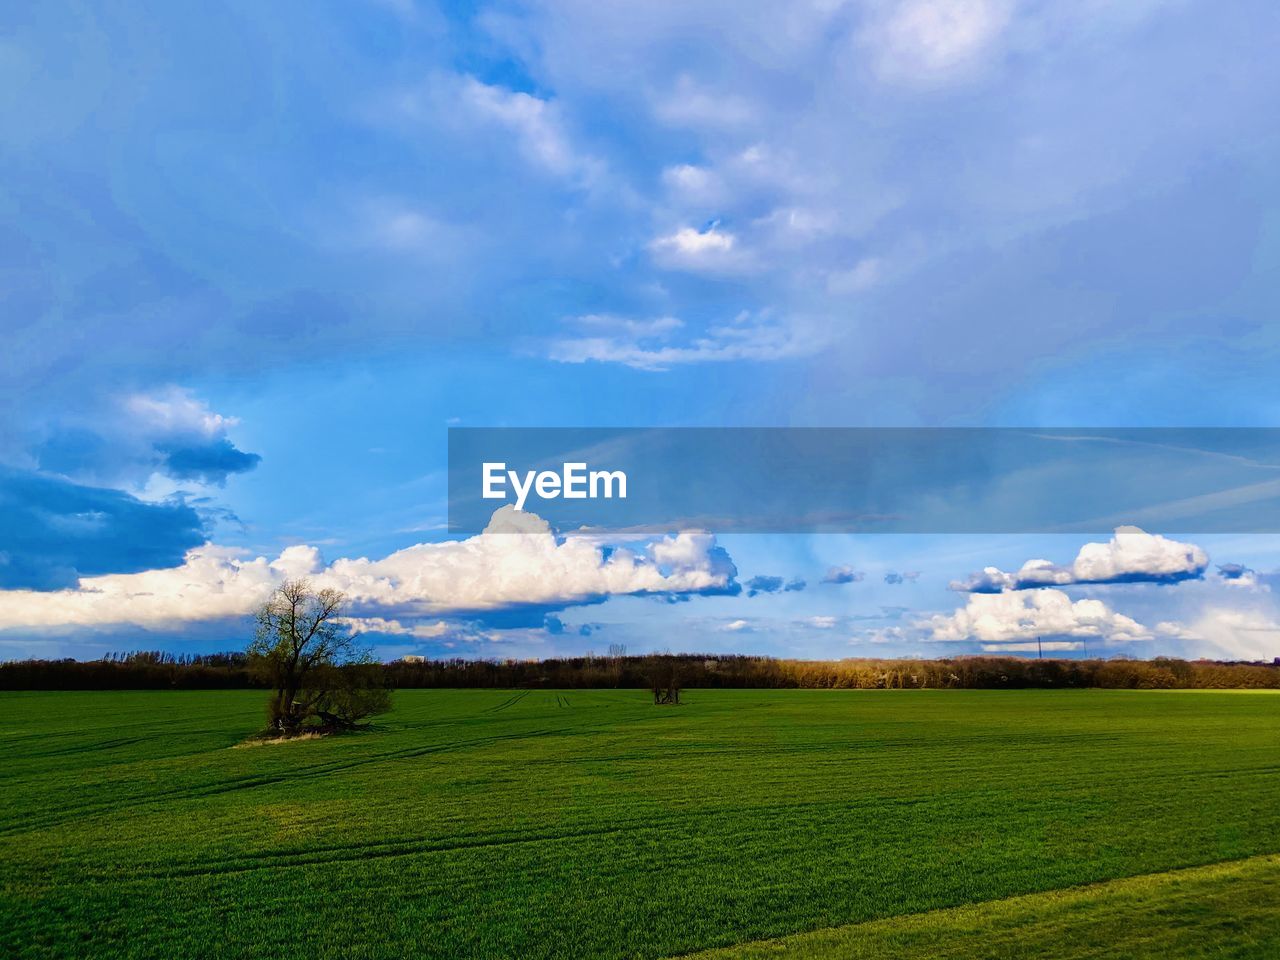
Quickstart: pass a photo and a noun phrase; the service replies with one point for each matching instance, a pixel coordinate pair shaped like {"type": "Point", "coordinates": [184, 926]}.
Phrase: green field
{"type": "Point", "coordinates": [591, 823]}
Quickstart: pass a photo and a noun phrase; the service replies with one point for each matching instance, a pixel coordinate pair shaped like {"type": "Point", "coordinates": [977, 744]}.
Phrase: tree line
{"type": "Point", "coordinates": [155, 670]}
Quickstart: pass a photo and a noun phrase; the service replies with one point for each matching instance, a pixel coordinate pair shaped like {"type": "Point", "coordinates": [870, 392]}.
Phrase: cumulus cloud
{"type": "Point", "coordinates": [695, 243]}
{"type": "Point", "coordinates": [168, 431]}
{"type": "Point", "coordinates": [1011, 617]}
{"type": "Point", "coordinates": [1131, 556]}
{"type": "Point", "coordinates": [176, 412]}
{"type": "Point", "coordinates": [517, 563]}
{"type": "Point", "coordinates": [842, 574]}
{"type": "Point", "coordinates": [707, 250]}
{"type": "Point", "coordinates": [394, 628]}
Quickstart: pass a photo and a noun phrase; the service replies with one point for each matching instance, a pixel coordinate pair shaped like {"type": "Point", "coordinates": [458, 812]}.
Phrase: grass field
{"type": "Point", "coordinates": [591, 823]}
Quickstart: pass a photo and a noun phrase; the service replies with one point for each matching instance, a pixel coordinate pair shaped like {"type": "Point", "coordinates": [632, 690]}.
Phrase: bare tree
{"type": "Point", "coordinates": [318, 672]}
{"type": "Point", "coordinates": [617, 654]}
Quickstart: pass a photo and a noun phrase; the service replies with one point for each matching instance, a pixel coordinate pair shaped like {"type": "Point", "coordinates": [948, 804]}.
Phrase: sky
{"type": "Point", "coordinates": [257, 259]}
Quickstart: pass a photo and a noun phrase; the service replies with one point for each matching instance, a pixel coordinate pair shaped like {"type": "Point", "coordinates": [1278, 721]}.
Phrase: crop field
{"type": "Point", "coordinates": [594, 824]}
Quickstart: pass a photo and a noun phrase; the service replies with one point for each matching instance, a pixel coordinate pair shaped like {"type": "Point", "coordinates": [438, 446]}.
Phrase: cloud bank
{"type": "Point", "coordinates": [518, 562]}
{"type": "Point", "coordinates": [1131, 556]}
{"type": "Point", "coordinates": [1006, 618]}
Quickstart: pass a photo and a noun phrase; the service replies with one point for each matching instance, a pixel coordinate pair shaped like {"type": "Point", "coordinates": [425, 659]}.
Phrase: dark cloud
{"type": "Point", "coordinates": [995, 581]}
{"type": "Point", "coordinates": [762, 584]}
{"type": "Point", "coordinates": [1233, 571]}
{"type": "Point", "coordinates": [843, 574]}
{"type": "Point", "coordinates": [74, 451]}
{"type": "Point", "coordinates": [89, 455]}
{"type": "Point", "coordinates": [907, 576]}
{"type": "Point", "coordinates": [765, 584]}
{"type": "Point", "coordinates": [53, 531]}
{"type": "Point", "coordinates": [210, 463]}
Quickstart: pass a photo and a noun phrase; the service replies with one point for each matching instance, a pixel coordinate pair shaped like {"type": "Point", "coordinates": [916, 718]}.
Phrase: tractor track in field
{"type": "Point", "coordinates": [372, 851]}
{"type": "Point", "coordinates": [95, 747]}
{"type": "Point", "coordinates": [692, 822]}
{"type": "Point", "coordinates": [507, 704]}
{"type": "Point", "coordinates": [404, 847]}
{"type": "Point", "coordinates": [67, 813]}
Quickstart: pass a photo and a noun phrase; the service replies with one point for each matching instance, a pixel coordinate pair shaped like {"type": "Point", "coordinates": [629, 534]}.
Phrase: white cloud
{"type": "Point", "coordinates": [516, 561]}
{"type": "Point", "coordinates": [735, 626]}
{"type": "Point", "coordinates": [420, 631]}
{"type": "Point", "coordinates": [213, 583]}
{"type": "Point", "coordinates": [709, 250]}
{"type": "Point", "coordinates": [1011, 617]}
{"type": "Point", "coordinates": [648, 344]}
{"type": "Point", "coordinates": [1131, 556]}
{"type": "Point", "coordinates": [1047, 646]}
{"type": "Point", "coordinates": [925, 41]}
{"type": "Point", "coordinates": [174, 412]}
{"type": "Point", "coordinates": [536, 124]}
{"type": "Point", "coordinates": [624, 326]}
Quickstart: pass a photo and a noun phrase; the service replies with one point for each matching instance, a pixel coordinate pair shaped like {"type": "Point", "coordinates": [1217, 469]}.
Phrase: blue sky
{"type": "Point", "coordinates": [258, 258]}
